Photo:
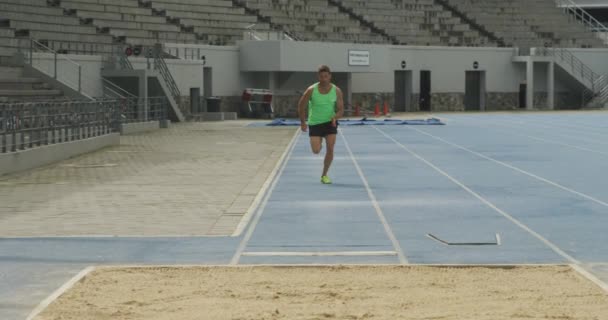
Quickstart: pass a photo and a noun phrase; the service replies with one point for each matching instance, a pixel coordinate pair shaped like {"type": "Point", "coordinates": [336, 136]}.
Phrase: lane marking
{"type": "Point", "coordinates": [555, 248]}
{"type": "Point", "coordinates": [370, 193]}
{"type": "Point", "coordinates": [258, 198]}
{"type": "Point", "coordinates": [555, 184]}
{"type": "Point", "coordinates": [65, 287]}
{"type": "Point", "coordinates": [591, 277]}
{"type": "Point", "coordinates": [534, 137]}
{"type": "Point", "coordinates": [260, 209]}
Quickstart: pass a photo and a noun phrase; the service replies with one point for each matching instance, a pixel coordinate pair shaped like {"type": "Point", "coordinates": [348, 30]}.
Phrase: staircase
{"type": "Point", "coordinates": [578, 14]}
{"type": "Point", "coordinates": [596, 85]}
{"type": "Point", "coordinates": [168, 83]}
{"type": "Point", "coordinates": [15, 86]}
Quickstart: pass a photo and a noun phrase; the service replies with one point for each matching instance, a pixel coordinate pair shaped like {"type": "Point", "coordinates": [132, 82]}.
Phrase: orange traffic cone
{"type": "Point", "coordinates": [377, 109]}
{"type": "Point", "coordinates": [385, 108]}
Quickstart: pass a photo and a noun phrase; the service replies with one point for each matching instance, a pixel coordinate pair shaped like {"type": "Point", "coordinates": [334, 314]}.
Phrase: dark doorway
{"type": "Point", "coordinates": [522, 95]}
{"type": "Point", "coordinates": [425, 90]}
{"type": "Point", "coordinates": [403, 91]}
{"type": "Point", "coordinates": [473, 91]}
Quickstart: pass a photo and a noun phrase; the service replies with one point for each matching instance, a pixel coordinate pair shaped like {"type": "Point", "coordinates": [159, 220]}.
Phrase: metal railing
{"type": "Point", "coordinates": [596, 85]}
{"type": "Point", "coordinates": [139, 109]}
{"type": "Point", "coordinates": [112, 91]}
{"type": "Point", "coordinates": [123, 59]}
{"type": "Point", "coordinates": [58, 66]}
{"type": "Point", "coordinates": [29, 125]}
{"type": "Point", "coordinates": [574, 65]}
{"type": "Point", "coordinates": [161, 66]}
{"type": "Point", "coordinates": [580, 15]}
{"type": "Point", "coordinates": [251, 33]}
{"type": "Point", "coordinates": [600, 94]}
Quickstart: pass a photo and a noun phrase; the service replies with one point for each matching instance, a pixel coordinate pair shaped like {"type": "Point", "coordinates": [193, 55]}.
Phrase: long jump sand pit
{"type": "Point", "coordinates": [332, 292]}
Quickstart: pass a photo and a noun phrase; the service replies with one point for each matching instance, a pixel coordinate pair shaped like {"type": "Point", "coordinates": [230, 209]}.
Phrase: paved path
{"type": "Point", "coordinates": [194, 179]}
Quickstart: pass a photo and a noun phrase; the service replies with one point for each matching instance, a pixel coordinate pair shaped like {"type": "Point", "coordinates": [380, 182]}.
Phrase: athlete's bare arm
{"type": "Point", "coordinates": [302, 104]}
{"type": "Point", "coordinates": [340, 104]}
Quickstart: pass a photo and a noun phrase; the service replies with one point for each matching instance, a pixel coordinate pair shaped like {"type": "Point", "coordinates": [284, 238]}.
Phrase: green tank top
{"type": "Point", "coordinates": [321, 107]}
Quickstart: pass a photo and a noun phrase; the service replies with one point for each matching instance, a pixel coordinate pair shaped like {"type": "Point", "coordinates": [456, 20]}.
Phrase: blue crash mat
{"type": "Point", "coordinates": [363, 122]}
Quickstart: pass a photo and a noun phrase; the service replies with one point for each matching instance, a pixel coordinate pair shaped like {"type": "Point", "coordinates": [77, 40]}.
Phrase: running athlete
{"type": "Point", "coordinates": [322, 99]}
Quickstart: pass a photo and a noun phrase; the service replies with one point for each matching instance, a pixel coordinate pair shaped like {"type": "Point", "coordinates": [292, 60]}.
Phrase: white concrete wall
{"type": "Point", "coordinates": [224, 61]}
{"type": "Point", "coordinates": [67, 71]}
{"type": "Point", "coordinates": [448, 66]}
{"type": "Point", "coordinates": [187, 73]}
{"type": "Point", "coordinates": [304, 56]}
{"type": "Point", "coordinates": [596, 59]}
{"type": "Point", "coordinates": [32, 158]}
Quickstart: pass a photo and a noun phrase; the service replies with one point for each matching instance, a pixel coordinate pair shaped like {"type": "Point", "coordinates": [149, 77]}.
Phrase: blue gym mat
{"type": "Point", "coordinates": [362, 122]}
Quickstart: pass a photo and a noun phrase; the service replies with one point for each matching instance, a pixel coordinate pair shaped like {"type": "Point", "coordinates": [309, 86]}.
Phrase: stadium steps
{"type": "Point", "coordinates": [14, 86]}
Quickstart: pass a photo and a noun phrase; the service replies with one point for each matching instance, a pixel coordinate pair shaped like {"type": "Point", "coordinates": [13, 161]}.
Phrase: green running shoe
{"type": "Point", "coordinates": [325, 180]}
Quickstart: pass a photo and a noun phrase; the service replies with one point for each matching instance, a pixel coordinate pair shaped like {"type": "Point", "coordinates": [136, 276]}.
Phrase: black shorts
{"type": "Point", "coordinates": [322, 129]}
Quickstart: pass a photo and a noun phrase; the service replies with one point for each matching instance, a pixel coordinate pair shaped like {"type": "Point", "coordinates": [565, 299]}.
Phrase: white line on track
{"type": "Point", "coordinates": [370, 193]}
{"type": "Point", "coordinates": [65, 287]}
{"type": "Point", "coordinates": [555, 248]}
{"type": "Point", "coordinates": [260, 209]}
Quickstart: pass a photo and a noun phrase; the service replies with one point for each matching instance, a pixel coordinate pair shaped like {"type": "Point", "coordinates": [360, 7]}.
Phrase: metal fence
{"type": "Point", "coordinates": [34, 124]}
{"type": "Point", "coordinates": [140, 110]}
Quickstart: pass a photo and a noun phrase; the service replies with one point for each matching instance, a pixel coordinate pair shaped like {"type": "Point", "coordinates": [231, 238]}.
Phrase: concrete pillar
{"type": "Point", "coordinates": [530, 84]}
{"type": "Point", "coordinates": [551, 85]}
{"type": "Point", "coordinates": [272, 81]}
{"type": "Point", "coordinates": [142, 108]}
{"type": "Point", "coordinates": [348, 92]}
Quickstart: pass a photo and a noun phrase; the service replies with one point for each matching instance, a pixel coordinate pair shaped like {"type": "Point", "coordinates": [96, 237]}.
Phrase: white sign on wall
{"type": "Point", "coordinates": [358, 58]}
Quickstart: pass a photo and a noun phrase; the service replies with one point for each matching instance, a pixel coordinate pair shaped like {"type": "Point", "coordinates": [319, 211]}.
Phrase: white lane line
{"type": "Point", "coordinates": [484, 200]}
{"type": "Point", "coordinates": [557, 132]}
{"type": "Point", "coordinates": [319, 253]}
{"type": "Point", "coordinates": [258, 199]}
{"type": "Point", "coordinates": [46, 302]}
{"type": "Point", "coordinates": [534, 137]}
{"type": "Point", "coordinates": [582, 127]}
{"type": "Point", "coordinates": [555, 184]}
{"type": "Point", "coordinates": [591, 277]}
{"type": "Point", "coordinates": [260, 209]}
{"type": "Point", "coordinates": [370, 193]}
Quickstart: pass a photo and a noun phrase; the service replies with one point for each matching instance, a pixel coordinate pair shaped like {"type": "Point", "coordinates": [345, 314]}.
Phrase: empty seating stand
{"type": "Point", "coordinates": [527, 22]}
{"type": "Point", "coordinates": [417, 22]}
{"type": "Point", "coordinates": [23, 19]}
{"type": "Point", "coordinates": [14, 86]}
{"type": "Point", "coordinates": [94, 26]}
{"type": "Point", "coordinates": [214, 21]}
{"type": "Point", "coordinates": [314, 20]}
{"type": "Point", "coordinates": [128, 21]}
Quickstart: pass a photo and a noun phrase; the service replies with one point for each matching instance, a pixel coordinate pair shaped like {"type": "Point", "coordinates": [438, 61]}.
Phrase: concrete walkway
{"type": "Point", "coordinates": [194, 179]}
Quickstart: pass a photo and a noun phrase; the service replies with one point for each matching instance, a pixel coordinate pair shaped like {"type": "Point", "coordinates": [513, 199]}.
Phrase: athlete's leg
{"type": "Point", "coordinates": [330, 139]}
{"type": "Point", "coordinates": [315, 144]}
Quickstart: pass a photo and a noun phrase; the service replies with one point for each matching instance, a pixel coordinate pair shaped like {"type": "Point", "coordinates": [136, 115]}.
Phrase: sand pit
{"type": "Point", "coordinates": [336, 292]}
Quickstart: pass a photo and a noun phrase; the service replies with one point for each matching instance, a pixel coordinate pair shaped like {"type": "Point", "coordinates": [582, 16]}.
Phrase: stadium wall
{"type": "Point", "coordinates": [288, 67]}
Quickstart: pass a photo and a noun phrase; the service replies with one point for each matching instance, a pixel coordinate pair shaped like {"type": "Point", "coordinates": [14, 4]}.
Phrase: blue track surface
{"type": "Point", "coordinates": [537, 180]}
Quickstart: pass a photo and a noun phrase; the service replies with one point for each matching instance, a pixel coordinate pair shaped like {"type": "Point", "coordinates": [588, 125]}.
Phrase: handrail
{"type": "Point", "coordinates": [581, 15]}
{"type": "Point", "coordinates": [123, 60]}
{"type": "Point", "coordinates": [161, 66]}
{"type": "Point", "coordinates": [596, 86]}
{"type": "Point", "coordinates": [35, 45]}
{"type": "Point", "coordinates": [116, 90]}
{"type": "Point", "coordinates": [576, 65]}
{"type": "Point", "coordinates": [26, 125]}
